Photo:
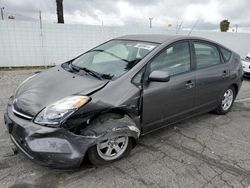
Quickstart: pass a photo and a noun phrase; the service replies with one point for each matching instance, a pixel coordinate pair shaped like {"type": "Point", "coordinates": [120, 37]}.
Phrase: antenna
{"type": "Point", "coordinates": [179, 27]}
{"type": "Point", "coordinates": [193, 27]}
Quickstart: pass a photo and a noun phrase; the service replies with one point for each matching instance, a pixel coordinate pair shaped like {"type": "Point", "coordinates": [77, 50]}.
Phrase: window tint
{"type": "Point", "coordinates": [225, 53]}
{"type": "Point", "coordinates": [206, 55]}
{"type": "Point", "coordinates": [174, 59]}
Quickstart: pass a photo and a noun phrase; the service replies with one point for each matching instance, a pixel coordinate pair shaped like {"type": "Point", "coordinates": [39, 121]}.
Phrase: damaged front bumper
{"type": "Point", "coordinates": [52, 147]}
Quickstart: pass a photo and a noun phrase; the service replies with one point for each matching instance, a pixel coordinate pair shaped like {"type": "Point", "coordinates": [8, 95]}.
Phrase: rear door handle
{"type": "Point", "coordinates": [225, 73]}
{"type": "Point", "coordinates": [189, 84]}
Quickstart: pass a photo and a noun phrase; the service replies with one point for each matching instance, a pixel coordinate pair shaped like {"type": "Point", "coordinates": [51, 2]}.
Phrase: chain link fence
{"type": "Point", "coordinates": [32, 43]}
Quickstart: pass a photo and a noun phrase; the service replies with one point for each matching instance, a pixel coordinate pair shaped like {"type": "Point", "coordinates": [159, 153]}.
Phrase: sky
{"type": "Point", "coordinates": [203, 14]}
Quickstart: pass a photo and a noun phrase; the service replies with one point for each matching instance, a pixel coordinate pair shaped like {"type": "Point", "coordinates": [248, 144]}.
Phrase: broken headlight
{"type": "Point", "coordinates": [59, 111]}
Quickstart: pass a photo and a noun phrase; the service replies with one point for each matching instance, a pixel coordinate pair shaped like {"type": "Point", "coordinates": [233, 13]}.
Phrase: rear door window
{"type": "Point", "coordinates": [206, 55]}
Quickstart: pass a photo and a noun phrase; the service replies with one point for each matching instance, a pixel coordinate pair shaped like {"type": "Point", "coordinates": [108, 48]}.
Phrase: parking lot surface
{"type": "Point", "coordinates": [204, 151]}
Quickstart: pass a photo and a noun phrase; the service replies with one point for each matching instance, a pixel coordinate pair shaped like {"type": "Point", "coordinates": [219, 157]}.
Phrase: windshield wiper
{"type": "Point", "coordinates": [97, 75]}
{"type": "Point", "coordinates": [92, 73]}
{"type": "Point", "coordinates": [73, 67]}
{"type": "Point", "coordinates": [107, 76]}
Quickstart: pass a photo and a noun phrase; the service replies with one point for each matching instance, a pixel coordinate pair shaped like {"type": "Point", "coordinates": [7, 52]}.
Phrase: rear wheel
{"type": "Point", "coordinates": [110, 150]}
{"type": "Point", "coordinates": [226, 101]}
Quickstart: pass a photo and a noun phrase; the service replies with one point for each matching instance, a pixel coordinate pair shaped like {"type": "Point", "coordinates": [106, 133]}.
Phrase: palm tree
{"type": "Point", "coordinates": [59, 8]}
{"type": "Point", "coordinates": [224, 25]}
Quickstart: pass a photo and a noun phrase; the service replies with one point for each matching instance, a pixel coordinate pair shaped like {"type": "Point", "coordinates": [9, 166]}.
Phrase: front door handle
{"type": "Point", "coordinates": [189, 84]}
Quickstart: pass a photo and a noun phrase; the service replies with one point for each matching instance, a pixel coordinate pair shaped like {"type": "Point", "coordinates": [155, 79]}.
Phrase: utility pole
{"type": "Point", "coordinates": [42, 42]}
{"type": "Point", "coordinates": [40, 21]}
{"type": "Point", "coordinates": [236, 28]}
{"type": "Point", "coordinates": [2, 8]}
{"type": "Point", "coordinates": [150, 22]}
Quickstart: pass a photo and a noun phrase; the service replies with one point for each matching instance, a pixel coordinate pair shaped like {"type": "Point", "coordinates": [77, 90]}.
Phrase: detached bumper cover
{"type": "Point", "coordinates": [52, 147]}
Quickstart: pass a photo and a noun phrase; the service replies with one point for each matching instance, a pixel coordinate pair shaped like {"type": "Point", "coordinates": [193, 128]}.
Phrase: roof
{"type": "Point", "coordinates": [157, 38]}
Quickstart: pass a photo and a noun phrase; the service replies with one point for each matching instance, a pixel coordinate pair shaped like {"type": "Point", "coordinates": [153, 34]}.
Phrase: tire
{"type": "Point", "coordinates": [99, 159]}
{"type": "Point", "coordinates": [222, 108]}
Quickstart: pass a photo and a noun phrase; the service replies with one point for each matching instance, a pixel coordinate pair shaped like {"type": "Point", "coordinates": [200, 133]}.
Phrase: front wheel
{"type": "Point", "coordinates": [110, 150]}
{"type": "Point", "coordinates": [226, 101]}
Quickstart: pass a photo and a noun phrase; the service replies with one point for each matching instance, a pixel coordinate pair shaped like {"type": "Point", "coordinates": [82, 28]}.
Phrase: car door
{"type": "Point", "coordinates": [211, 75]}
{"type": "Point", "coordinates": [165, 102]}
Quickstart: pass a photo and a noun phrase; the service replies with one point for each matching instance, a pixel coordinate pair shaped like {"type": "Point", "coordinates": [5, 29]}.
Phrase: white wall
{"type": "Point", "coordinates": [26, 44]}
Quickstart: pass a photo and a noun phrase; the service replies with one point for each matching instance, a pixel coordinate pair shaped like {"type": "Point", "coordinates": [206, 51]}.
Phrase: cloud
{"type": "Point", "coordinates": [133, 12]}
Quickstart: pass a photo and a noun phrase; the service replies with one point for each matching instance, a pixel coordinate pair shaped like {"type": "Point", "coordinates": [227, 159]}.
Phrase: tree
{"type": "Point", "coordinates": [59, 8]}
{"type": "Point", "coordinates": [224, 25]}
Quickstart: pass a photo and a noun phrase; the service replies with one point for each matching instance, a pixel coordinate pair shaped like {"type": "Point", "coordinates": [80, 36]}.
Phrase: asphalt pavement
{"type": "Point", "coordinates": [204, 151]}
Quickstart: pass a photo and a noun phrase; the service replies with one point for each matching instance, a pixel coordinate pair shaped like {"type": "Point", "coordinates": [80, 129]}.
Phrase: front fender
{"type": "Point", "coordinates": [104, 128]}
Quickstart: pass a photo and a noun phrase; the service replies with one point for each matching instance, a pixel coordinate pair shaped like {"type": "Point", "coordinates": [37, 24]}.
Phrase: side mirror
{"type": "Point", "coordinates": [159, 76]}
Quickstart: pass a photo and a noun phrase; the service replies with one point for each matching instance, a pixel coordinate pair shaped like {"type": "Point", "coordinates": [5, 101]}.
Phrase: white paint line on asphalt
{"type": "Point", "coordinates": [243, 100]}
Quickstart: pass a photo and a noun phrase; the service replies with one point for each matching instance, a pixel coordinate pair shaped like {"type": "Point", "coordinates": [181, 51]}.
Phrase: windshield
{"type": "Point", "coordinates": [115, 57]}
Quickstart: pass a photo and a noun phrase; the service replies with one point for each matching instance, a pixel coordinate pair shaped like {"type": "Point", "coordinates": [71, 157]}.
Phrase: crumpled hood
{"type": "Point", "coordinates": [52, 85]}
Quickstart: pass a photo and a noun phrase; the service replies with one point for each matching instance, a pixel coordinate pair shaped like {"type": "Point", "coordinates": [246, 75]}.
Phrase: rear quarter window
{"type": "Point", "coordinates": [226, 54]}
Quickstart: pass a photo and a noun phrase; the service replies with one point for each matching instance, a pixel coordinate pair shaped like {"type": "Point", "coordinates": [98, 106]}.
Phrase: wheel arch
{"type": "Point", "coordinates": [115, 122]}
{"type": "Point", "coordinates": [120, 113]}
{"type": "Point", "coordinates": [236, 88]}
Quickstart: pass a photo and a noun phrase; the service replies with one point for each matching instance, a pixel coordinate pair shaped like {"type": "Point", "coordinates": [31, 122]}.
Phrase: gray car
{"type": "Point", "coordinates": [99, 104]}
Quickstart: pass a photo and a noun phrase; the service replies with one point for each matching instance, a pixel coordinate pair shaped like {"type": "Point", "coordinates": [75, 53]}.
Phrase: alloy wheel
{"type": "Point", "coordinates": [227, 99]}
{"type": "Point", "coordinates": [112, 149]}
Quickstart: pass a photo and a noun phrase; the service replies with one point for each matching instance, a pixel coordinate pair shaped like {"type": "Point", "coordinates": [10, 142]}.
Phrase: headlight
{"type": "Point", "coordinates": [57, 112]}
